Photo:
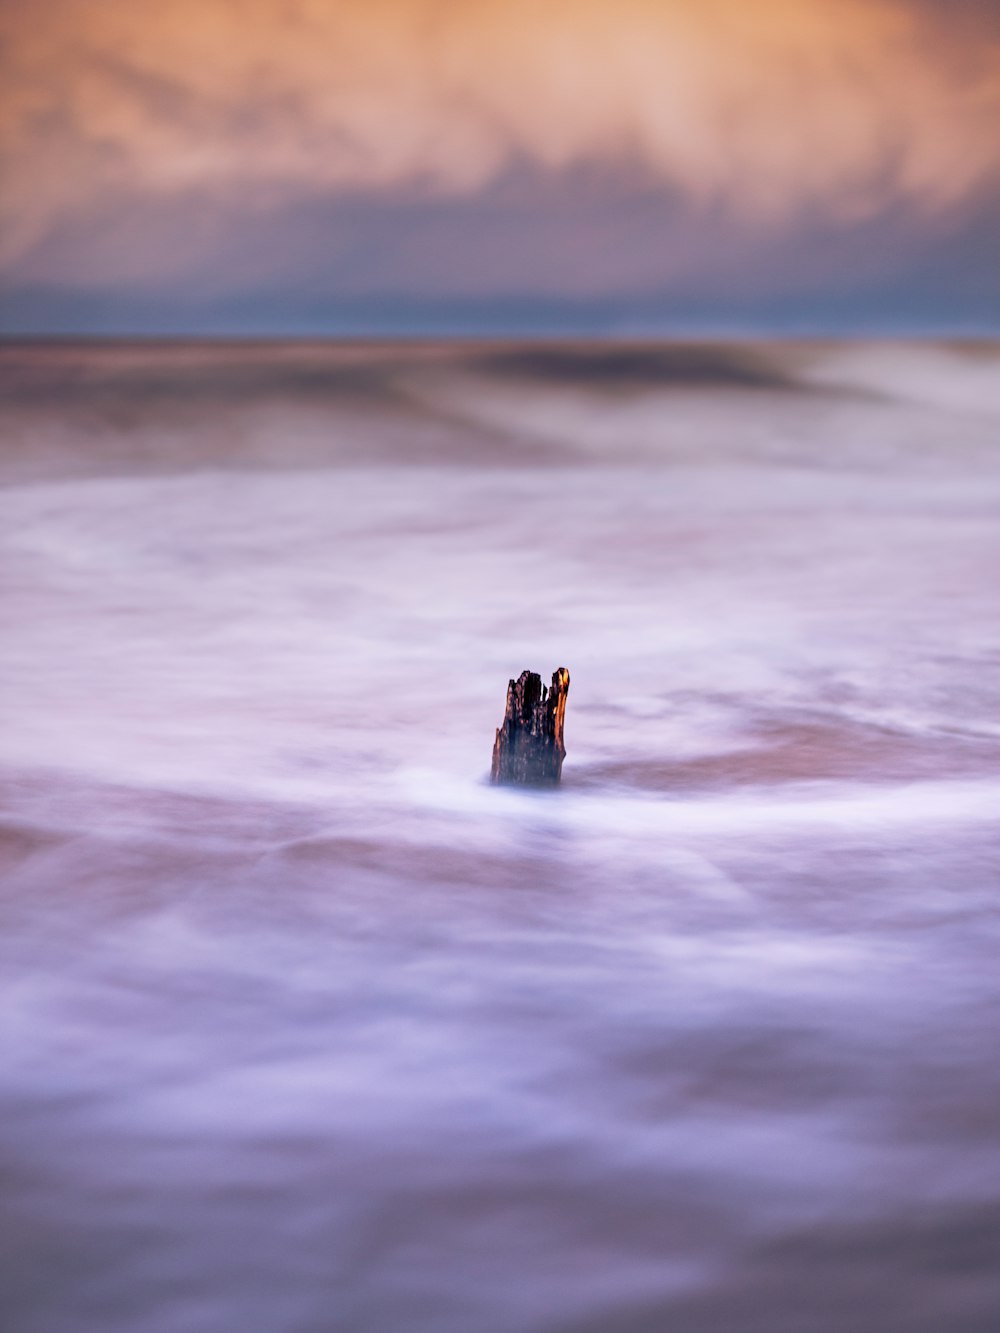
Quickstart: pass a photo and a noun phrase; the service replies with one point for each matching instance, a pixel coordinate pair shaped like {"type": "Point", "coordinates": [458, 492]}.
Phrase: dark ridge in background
{"type": "Point", "coordinates": [152, 373]}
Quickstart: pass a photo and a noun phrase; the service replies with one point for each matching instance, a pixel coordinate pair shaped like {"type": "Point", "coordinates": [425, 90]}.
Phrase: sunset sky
{"type": "Point", "coordinates": [406, 166]}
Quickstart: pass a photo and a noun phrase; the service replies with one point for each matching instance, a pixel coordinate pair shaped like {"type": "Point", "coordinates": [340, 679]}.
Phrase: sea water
{"type": "Point", "coordinates": [306, 1028]}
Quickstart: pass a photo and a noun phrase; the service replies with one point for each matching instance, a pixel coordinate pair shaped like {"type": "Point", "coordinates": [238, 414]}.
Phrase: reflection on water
{"type": "Point", "coordinates": [307, 1028]}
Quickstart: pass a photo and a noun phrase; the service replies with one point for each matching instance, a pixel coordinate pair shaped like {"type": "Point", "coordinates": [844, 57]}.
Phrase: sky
{"type": "Point", "coordinates": [282, 167]}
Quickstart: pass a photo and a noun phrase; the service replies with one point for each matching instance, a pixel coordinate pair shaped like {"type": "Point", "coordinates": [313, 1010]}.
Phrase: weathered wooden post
{"type": "Point", "coordinates": [529, 749]}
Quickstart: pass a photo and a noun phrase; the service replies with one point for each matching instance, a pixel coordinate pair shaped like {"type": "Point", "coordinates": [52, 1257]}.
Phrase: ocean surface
{"type": "Point", "coordinates": [307, 1029]}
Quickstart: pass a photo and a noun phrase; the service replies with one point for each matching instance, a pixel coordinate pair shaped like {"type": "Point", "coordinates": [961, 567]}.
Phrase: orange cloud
{"type": "Point", "coordinates": [761, 107]}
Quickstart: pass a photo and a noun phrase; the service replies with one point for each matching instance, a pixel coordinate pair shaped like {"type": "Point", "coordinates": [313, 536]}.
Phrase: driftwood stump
{"type": "Point", "coordinates": [529, 749]}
